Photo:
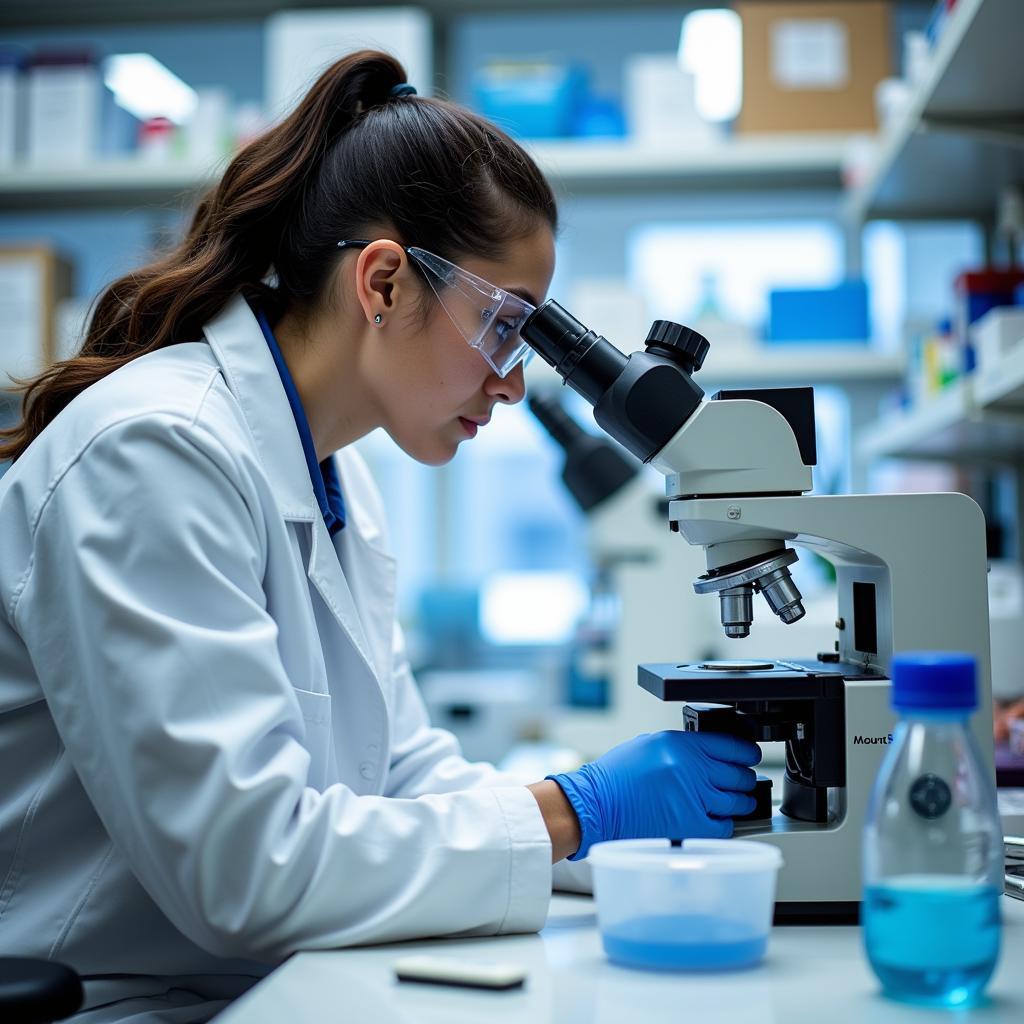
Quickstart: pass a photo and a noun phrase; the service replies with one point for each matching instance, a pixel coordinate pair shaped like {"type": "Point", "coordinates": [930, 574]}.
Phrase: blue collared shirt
{"type": "Point", "coordinates": [324, 475]}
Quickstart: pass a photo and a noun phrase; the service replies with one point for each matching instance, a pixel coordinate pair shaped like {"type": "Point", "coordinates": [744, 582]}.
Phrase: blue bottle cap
{"type": "Point", "coordinates": [934, 680]}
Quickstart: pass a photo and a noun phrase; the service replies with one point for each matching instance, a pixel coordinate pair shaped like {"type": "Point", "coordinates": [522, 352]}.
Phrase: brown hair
{"type": "Point", "coordinates": [352, 155]}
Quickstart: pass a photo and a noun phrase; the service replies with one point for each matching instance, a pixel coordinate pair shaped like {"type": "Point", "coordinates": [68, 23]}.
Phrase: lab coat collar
{"type": "Point", "coordinates": [324, 475]}
{"type": "Point", "coordinates": [238, 343]}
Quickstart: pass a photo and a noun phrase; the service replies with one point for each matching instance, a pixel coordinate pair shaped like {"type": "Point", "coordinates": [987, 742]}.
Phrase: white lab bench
{"type": "Point", "coordinates": [814, 974]}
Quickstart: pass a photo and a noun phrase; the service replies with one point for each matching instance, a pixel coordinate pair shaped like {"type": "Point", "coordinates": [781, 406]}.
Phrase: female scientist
{"type": "Point", "coordinates": [212, 749]}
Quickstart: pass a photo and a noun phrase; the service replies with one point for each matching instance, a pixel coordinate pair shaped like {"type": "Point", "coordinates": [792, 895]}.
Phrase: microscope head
{"type": "Point", "coordinates": [738, 443]}
{"type": "Point", "coordinates": [640, 400]}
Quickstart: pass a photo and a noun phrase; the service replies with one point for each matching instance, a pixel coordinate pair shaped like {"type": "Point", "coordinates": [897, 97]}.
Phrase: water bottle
{"type": "Point", "coordinates": [933, 844]}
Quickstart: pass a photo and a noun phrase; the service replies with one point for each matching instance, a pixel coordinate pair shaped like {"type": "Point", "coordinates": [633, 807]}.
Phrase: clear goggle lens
{"type": "Point", "coordinates": [488, 317]}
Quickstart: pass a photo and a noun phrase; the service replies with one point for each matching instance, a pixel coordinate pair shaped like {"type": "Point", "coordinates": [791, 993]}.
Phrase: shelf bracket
{"type": "Point", "coordinates": [1000, 129]}
{"type": "Point", "coordinates": [1007, 417]}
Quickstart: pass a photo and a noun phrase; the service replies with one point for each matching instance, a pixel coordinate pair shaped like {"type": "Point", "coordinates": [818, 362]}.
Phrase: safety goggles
{"type": "Point", "coordinates": [488, 317]}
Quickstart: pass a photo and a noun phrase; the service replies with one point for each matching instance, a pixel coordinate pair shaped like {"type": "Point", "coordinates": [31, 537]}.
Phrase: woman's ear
{"type": "Point", "coordinates": [378, 279]}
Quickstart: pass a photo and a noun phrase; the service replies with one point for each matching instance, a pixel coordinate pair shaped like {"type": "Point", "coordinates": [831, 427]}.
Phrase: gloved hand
{"type": "Point", "coordinates": [672, 785]}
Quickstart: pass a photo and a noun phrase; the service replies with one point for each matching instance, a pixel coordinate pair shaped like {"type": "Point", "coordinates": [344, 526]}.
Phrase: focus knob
{"type": "Point", "coordinates": [679, 343]}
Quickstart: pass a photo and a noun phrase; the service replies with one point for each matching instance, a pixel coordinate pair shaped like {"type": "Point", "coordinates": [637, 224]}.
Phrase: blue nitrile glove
{"type": "Point", "coordinates": [672, 785]}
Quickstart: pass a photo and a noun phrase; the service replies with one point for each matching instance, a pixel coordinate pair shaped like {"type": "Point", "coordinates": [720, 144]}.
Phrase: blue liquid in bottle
{"type": "Point", "coordinates": [932, 940]}
{"type": "Point", "coordinates": [933, 843]}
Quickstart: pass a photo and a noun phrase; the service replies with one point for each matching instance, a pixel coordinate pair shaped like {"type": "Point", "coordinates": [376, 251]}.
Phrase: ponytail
{"type": "Point", "coordinates": [355, 152]}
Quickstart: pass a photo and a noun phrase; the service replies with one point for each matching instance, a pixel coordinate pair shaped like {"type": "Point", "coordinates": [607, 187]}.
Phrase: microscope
{"type": "Point", "coordinates": [637, 610]}
{"type": "Point", "coordinates": [911, 575]}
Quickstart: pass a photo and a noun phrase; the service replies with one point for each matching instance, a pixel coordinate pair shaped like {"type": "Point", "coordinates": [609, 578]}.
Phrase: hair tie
{"type": "Point", "coordinates": [405, 89]}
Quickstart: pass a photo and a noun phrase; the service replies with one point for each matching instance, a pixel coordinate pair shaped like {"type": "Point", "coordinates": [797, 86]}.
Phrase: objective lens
{"type": "Point", "coordinates": [736, 606]}
{"type": "Point", "coordinates": [782, 595]}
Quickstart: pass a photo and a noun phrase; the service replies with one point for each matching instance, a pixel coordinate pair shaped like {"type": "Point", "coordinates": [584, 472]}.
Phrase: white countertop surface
{"type": "Point", "coordinates": [814, 974]}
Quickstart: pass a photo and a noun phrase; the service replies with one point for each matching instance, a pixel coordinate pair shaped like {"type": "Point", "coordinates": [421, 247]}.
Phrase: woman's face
{"type": "Point", "coordinates": [433, 390]}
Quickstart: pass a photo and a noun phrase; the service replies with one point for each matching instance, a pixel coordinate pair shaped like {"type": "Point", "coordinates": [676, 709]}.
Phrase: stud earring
{"type": "Point", "coordinates": [378, 319]}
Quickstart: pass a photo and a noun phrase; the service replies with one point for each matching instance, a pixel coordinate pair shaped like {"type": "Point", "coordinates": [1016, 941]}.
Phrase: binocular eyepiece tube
{"type": "Point", "coordinates": [641, 399]}
{"type": "Point", "coordinates": [588, 362]}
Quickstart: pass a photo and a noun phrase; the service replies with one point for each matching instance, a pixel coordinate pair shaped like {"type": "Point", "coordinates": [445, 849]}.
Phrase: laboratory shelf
{"type": "Point", "coordinates": [960, 140]}
{"type": "Point", "coordinates": [137, 12]}
{"type": "Point", "coordinates": [957, 425]}
{"type": "Point", "coordinates": [799, 363]}
{"type": "Point", "coordinates": [855, 367]}
{"type": "Point", "coordinates": [777, 162]}
{"type": "Point", "coordinates": [1002, 386]}
{"type": "Point", "coordinates": [116, 183]}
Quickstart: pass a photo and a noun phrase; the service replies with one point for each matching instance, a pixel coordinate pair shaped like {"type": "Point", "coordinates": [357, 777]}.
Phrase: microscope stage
{"type": "Point", "coordinates": [731, 681]}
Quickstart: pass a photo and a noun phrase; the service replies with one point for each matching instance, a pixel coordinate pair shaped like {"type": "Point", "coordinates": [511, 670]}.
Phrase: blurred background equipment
{"type": "Point", "coordinates": [33, 281]}
{"type": "Point", "coordinates": [298, 45]}
{"type": "Point", "coordinates": [637, 610]}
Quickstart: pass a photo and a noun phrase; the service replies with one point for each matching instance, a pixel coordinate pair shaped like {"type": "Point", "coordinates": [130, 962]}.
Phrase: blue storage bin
{"type": "Point", "coordinates": [599, 118]}
{"type": "Point", "coordinates": [819, 314]}
{"type": "Point", "coordinates": [534, 100]}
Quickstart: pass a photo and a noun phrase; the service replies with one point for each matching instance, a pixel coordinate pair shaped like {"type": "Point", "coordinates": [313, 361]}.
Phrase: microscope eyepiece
{"type": "Point", "coordinates": [585, 360]}
{"type": "Point", "coordinates": [641, 399]}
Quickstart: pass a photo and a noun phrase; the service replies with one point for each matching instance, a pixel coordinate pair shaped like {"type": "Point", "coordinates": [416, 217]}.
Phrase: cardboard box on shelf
{"type": "Point", "coordinates": [812, 66]}
{"type": "Point", "coordinates": [33, 280]}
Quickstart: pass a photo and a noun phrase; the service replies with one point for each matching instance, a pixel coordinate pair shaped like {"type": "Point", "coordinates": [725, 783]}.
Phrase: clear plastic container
{"type": "Point", "coordinates": [933, 845]}
{"type": "Point", "coordinates": [706, 905]}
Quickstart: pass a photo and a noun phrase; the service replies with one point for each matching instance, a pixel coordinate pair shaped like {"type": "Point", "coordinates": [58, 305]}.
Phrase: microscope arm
{"type": "Point", "coordinates": [890, 596]}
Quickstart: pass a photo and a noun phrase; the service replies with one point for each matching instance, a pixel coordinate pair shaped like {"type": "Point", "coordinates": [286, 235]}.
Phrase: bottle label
{"type": "Point", "coordinates": [930, 796]}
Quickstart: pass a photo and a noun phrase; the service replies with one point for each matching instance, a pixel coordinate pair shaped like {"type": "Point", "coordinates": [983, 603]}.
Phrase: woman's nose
{"type": "Point", "coordinates": [510, 388]}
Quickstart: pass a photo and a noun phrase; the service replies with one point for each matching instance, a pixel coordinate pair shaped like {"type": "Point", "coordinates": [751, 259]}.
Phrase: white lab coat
{"type": "Point", "coordinates": [212, 749]}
